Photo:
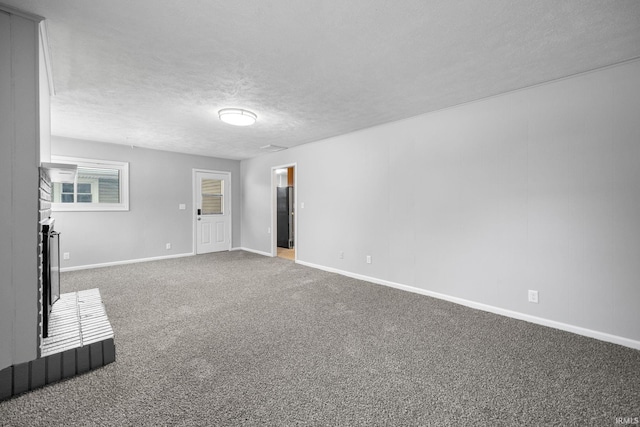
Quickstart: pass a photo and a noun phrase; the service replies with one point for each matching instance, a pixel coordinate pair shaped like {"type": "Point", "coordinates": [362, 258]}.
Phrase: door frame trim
{"type": "Point", "coordinates": [194, 201]}
{"type": "Point", "coordinates": [274, 209]}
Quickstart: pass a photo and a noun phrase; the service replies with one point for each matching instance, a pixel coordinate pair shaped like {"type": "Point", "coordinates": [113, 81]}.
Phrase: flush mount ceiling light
{"type": "Point", "coordinates": [237, 116]}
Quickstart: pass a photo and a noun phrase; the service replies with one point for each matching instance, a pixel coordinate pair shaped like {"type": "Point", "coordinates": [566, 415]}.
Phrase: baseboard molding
{"type": "Point", "coordinates": [602, 336]}
{"type": "Point", "coordinates": [253, 251]}
{"type": "Point", "coordinates": [127, 261]}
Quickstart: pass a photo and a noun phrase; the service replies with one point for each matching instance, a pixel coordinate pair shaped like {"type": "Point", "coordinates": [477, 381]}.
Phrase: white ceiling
{"type": "Point", "coordinates": [153, 73]}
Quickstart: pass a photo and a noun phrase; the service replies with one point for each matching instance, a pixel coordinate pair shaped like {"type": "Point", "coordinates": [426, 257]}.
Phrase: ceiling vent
{"type": "Point", "coordinates": [272, 148]}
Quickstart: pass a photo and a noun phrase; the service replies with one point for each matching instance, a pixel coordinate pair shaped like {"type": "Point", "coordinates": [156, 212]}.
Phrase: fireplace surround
{"type": "Point", "coordinates": [74, 333]}
{"type": "Point", "coordinates": [50, 271]}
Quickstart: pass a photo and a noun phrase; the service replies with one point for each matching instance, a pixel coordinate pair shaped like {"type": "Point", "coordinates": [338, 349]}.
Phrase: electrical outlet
{"type": "Point", "coordinates": [65, 255]}
{"type": "Point", "coordinates": [368, 259]}
{"type": "Point", "coordinates": [341, 255]}
{"type": "Point", "coordinates": [168, 246]}
{"type": "Point", "coordinates": [533, 296]}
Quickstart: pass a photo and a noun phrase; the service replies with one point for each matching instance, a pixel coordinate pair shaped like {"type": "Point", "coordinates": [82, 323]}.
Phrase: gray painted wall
{"type": "Point", "coordinates": [19, 161]}
{"type": "Point", "coordinates": [535, 189]}
{"type": "Point", "coordinates": [158, 182]}
{"type": "Point", "coordinates": [44, 98]}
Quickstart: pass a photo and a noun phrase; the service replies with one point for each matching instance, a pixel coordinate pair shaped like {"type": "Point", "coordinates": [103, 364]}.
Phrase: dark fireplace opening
{"type": "Point", "coordinates": [50, 271]}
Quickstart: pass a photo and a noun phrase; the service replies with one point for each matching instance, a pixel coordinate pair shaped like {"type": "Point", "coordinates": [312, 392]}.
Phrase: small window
{"type": "Point", "coordinates": [84, 192]}
{"type": "Point", "coordinates": [99, 186]}
{"type": "Point", "coordinates": [67, 194]}
{"type": "Point", "coordinates": [212, 197]}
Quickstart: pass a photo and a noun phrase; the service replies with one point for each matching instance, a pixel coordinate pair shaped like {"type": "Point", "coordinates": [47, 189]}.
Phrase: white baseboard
{"type": "Point", "coordinates": [602, 336]}
{"type": "Point", "coordinates": [253, 251]}
{"type": "Point", "coordinates": [128, 261]}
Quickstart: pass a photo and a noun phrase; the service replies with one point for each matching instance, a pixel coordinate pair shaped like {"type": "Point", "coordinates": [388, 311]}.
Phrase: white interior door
{"type": "Point", "coordinates": [213, 212]}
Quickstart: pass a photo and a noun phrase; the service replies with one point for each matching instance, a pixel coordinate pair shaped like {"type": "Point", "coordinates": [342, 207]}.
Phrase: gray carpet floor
{"type": "Point", "coordinates": [240, 339]}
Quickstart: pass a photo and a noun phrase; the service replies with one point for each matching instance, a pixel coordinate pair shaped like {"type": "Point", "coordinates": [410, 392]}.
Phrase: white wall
{"type": "Point", "coordinates": [282, 179]}
{"type": "Point", "coordinates": [159, 181]}
{"type": "Point", "coordinates": [19, 161]}
{"type": "Point", "coordinates": [44, 98]}
{"type": "Point", "coordinates": [534, 189]}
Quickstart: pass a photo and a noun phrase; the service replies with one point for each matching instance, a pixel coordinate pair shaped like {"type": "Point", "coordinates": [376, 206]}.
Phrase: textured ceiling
{"type": "Point", "coordinates": [153, 73]}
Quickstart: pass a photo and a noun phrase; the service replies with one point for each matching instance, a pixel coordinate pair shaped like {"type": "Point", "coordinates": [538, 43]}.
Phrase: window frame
{"type": "Point", "coordinates": [221, 196]}
{"type": "Point", "coordinates": [122, 167]}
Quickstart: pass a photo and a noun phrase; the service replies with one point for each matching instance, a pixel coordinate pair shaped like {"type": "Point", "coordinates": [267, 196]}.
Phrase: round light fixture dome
{"type": "Point", "coordinates": [237, 116]}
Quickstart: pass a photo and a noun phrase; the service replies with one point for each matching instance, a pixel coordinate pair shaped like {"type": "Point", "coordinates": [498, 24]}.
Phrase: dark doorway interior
{"type": "Point", "coordinates": [285, 217]}
{"type": "Point", "coordinates": [285, 205]}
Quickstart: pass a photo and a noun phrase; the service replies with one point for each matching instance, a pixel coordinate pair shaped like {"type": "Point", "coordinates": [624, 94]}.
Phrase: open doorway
{"type": "Point", "coordinates": [283, 216]}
